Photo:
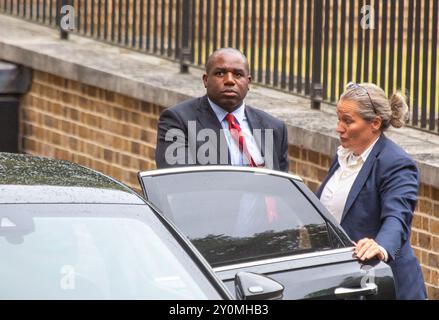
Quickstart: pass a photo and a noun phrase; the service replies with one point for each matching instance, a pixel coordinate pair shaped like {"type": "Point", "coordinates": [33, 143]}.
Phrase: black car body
{"type": "Point", "coordinates": [68, 232]}
{"type": "Point", "coordinates": [265, 222]}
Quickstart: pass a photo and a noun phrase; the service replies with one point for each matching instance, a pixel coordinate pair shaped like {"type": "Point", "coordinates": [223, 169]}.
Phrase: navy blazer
{"type": "Point", "coordinates": [380, 206]}
{"type": "Point", "coordinates": [198, 113]}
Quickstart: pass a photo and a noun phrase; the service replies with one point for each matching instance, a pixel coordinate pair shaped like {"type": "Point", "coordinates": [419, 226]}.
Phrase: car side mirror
{"type": "Point", "coordinates": [253, 286]}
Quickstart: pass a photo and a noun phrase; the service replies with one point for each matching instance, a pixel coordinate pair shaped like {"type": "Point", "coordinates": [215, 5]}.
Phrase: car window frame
{"type": "Point", "coordinates": [337, 237]}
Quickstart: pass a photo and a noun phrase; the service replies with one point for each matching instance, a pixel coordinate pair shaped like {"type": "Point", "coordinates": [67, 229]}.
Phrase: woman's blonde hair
{"type": "Point", "coordinates": [372, 102]}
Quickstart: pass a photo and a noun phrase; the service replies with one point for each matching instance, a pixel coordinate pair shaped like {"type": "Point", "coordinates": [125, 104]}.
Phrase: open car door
{"type": "Point", "coordinates": [269, 223]}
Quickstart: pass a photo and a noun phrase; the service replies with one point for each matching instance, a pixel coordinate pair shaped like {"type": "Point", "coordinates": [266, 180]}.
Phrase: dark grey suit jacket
{"type": "Point", "coordinates": [185, 124]}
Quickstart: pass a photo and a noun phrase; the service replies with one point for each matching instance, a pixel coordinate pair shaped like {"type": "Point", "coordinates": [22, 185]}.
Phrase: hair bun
{"type": "Point", "coordinates": [400, 110]}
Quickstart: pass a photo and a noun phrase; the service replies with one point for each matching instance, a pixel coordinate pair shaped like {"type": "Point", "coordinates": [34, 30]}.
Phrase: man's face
{"type": "Point", "coordinates": [227, 80]}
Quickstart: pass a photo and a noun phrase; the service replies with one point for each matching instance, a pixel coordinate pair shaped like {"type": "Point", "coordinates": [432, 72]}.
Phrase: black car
{"type": "Point", "coordinates": [68, 232]}
{"type": "Point", "coordinates": [265, 222]}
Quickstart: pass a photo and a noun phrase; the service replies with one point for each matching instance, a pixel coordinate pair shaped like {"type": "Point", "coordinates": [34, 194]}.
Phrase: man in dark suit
{"type": "Point", "coordinates": [219, 128]}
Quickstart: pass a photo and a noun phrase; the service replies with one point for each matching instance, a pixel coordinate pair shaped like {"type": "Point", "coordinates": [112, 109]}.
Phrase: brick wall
{"type": "Point", "coordinates": [99, 129]}
{"type": "Point", "coordinates": [313, 166]}
{"type": "Point", "coordinates": [116, 135]}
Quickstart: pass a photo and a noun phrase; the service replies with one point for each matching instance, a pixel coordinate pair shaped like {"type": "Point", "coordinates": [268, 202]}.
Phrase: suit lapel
{"type": "Point", "coordinates": [363, 175]}
{"type": "Point", "coordinates": [206, 117]}
{"type": "Point", "coordinates": [208, 120]}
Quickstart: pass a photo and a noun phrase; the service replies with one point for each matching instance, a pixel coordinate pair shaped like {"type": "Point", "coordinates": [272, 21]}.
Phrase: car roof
{"type": "Point", "coordinates": [33, 179]}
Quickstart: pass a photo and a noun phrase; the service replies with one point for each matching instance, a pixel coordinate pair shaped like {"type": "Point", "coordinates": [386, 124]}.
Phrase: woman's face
{"type": "Point", "coordinates": [356, 134]}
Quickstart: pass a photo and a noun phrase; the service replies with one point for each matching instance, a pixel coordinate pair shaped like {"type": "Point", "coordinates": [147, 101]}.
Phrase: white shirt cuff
{"type": "Point", "coordinates": [384, 251]}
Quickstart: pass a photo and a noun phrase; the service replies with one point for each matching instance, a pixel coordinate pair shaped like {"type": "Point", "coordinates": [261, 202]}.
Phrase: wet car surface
{"type": "Point", "coordinates": [269, 223]}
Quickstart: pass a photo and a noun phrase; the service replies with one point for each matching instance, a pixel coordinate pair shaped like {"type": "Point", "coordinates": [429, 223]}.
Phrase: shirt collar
{"type": "Point", "coordinates": [347, 157]}
{"type": "Point", "coordinates": [221, 113]}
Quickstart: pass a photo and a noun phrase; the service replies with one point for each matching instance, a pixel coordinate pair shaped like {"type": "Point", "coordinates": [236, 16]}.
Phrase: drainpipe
{"type": "Point", "coordinates": [14, 81]}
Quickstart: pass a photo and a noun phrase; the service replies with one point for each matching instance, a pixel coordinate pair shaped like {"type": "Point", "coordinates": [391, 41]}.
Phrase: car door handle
{"type": "Point", "coordinates": [368, 289]}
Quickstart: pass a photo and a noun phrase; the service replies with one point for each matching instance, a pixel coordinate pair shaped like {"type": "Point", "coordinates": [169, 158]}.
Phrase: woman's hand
{"type": "Point", "coordinates": [367, 249]}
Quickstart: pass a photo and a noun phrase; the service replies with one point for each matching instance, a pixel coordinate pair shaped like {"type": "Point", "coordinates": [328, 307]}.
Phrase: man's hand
{"type": "Point", "coordinates": [367, 249]}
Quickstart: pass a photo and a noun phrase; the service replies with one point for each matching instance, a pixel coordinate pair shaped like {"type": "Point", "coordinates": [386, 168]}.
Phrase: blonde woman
{"type": "Point", "coordinates": [372, 185]}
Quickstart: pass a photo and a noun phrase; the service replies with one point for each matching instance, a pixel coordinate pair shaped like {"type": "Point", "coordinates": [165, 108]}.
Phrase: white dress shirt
{"type": "Point", "coordinates": [336, 191]}
{"type": "Point", "coordinates": [236, 156]}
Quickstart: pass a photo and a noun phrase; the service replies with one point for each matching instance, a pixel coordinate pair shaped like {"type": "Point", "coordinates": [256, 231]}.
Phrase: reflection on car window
{"type": "Point", "coordinates": [235, 217]}
{"type": "Point", "coordinates": [96, 257]}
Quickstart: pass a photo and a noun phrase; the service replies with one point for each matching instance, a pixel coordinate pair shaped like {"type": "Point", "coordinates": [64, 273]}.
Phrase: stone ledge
{"type": "Point", "coordinates": [156, 80]}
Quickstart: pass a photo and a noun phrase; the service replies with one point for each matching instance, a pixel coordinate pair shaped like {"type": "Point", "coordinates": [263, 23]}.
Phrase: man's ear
{"type": "Point", "coordinates": [249, 82]}
{"type": "Point", "coordinates": [205, 80]}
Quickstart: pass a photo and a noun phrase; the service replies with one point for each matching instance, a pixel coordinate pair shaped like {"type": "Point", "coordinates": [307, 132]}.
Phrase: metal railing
{"type": "Point", "coordinates": [306, 47]}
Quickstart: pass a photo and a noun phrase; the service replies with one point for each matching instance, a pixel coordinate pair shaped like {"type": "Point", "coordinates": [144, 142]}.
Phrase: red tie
{"type": "Point", "coordinates": [238, 137]}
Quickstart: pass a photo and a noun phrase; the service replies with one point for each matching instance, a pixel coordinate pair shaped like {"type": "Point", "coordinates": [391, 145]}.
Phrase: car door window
{"type": "Point", "coordinates": [94, 252]}
{"type": "Point", "coordinates": [235, 217]}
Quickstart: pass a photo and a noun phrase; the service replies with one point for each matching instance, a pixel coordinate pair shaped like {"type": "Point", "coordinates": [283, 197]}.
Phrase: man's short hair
{"type": "Point", "coordinates": [231, 50]}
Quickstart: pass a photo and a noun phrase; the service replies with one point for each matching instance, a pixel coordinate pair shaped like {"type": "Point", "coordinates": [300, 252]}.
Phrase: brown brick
{"type": "Point", "coordinates": [73, 143]}
{"type": "Point", "coordinates": [313, 157]}
{"type": "Point", "coordinates": [321, 174]}
{"type": "Point", "coordinates": [433, 293]}
{"type": "Point", "coordinates": [116, 173]}
{"type": "Point", "coordinates": [435, 193]}
{"type": "Point", "coordinates": [135, 147]}
{"type": "Point", "coordinates": [294, 151]}
{"type": "Point", "coordinates": [136, 133]}
{"type": "Point", "coordinates": [108, 155]}
{"type": "Point", "coordinates": [417, 253]}
{"type": "Point", "coordinates": [303, 154]}
{"type": "Point", "coordinates": [425, 191]}
{"type": "Point", "coordinates": [417, 221]}
{"type": "Point", "coordinates": [152, 137]}
{"type": "Point", "coordinates": [434, 280]}
{"type": "Point", "coordinates": [56, 138]}
{"type": "Point", "coordinates": [313, 185]}
{"type": "Point", "coordinates": [109, 96]}
{"type": "Point", "coordinates": [426, 273]}
{"type": "Point", "coordinates": [146, 107]}
{"type": "Point", "coordinates": [433, 260]}
{"type": "Point", "coordinates": [157, 110]}
{"type": "Point", "coordinates": [425, 223]}
{"type": "Point", "coordinates": [83, 132]}
{"type": "Point", "coordinates": [424, 240]}
{"type": "Point", "coordinates": [143, 165]}
{"type": "Point", "coordinates": [292, 166]}
{"type": "Point", "coordinates": [435, 243]}
{"type": "Point", "coordinates": [126, 130]}
{"type": "Point", "coordinates": [99, 137]}
{"type": "Point", "coordinates": [434, 226]}
{"type": "Point", "coordinates": [135, 162]}
{"type": "Point", "coordinates": [424, 257]}
{"type": "Point", "coordinates": [74, 114]}
{"type": "Point", "coordinates": [429, 207]}
{"type": "Point", "coordinates": [436, 210]}
{"type": "Point", "coordinates": [414, 238]}
{"type": "Point", "coordinates": [126, 160]}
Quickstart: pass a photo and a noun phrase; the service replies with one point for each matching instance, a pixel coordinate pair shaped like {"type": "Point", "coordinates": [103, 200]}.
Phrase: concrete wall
{"type": "Point", "coordinates": [98, 105]}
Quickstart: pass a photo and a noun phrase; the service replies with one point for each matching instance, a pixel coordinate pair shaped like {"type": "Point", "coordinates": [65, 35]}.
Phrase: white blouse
{"type": "Point", "coordinates": [337, 189]}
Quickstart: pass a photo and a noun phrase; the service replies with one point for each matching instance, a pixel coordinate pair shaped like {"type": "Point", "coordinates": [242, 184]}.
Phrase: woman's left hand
{"type": "Point", "coordinates": [367, 249]}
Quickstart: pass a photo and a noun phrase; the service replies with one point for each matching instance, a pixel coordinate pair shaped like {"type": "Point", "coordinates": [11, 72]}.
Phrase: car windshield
{"type": "Point", "coordinates": [234, 217]}
{"type": "Point", "coordinates": [93, 252]}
